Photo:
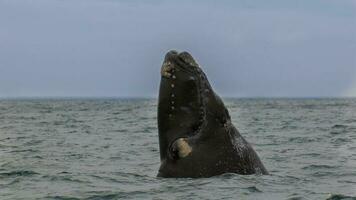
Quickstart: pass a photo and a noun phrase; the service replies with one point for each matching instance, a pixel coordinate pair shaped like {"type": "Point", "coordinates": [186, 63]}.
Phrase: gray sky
{"type": "Point", "coordinates": [247, 48]}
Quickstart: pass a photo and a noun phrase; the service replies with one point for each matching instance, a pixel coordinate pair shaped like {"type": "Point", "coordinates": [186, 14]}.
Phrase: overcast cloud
{"type": "Point", "coordinates": [248, 48]}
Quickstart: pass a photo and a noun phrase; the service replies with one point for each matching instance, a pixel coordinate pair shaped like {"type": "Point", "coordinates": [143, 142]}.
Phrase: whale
{"type": "Point", "coordinates": [195, 132]}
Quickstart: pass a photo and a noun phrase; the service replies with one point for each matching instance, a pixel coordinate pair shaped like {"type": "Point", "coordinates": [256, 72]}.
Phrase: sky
{"type": "Point", "coordinates": [115, 48]}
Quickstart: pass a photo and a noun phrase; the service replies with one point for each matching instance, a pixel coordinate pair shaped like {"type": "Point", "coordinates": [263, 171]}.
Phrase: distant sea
{"type": "Point", "coordinates": [108, 149]}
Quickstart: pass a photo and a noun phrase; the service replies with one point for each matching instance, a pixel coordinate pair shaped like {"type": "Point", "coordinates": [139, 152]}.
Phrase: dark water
{"type": "Point", "coordinates": [108, 149]}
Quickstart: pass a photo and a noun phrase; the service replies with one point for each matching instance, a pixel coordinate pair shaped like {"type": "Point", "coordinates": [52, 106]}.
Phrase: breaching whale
{"type": "Point", "coordinates": [196, 136]}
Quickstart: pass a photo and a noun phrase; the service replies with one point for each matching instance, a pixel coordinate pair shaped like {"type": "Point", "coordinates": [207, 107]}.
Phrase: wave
{"type": "Point", "coordinates": [18, 173]}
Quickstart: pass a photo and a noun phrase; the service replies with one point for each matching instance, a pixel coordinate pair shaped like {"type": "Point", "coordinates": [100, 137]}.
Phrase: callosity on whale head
{"type": "Point", "coordinates": [196, 137]}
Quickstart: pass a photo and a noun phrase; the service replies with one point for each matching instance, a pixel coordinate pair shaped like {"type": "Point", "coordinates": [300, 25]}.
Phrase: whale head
{"type": "Point", "coordinates": [185, 101]}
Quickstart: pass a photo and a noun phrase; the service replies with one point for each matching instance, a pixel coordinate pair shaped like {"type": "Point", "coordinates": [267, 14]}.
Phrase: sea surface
{"type": "Point", "coordinates": [108, 149]}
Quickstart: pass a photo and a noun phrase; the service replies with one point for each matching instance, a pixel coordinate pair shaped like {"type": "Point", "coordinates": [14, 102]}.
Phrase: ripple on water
{"type": "Point", "coordinates": [339, 129]}
{"type": "Point", "coordinates": [61, 198]}
{"type": "Point", "coordinates": [253, 189]}
{"type": "Point", "coordinates": [18, 173]}
{"type": "Point", "coordinates": [318, 167]}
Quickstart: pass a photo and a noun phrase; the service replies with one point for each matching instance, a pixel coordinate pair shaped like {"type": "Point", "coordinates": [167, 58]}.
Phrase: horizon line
{"type": "Point", "coordinates": [156, 97]}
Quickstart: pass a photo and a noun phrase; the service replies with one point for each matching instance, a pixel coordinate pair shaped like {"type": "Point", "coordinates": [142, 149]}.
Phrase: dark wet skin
{"type": "Point", "coordinates": [196, 136]}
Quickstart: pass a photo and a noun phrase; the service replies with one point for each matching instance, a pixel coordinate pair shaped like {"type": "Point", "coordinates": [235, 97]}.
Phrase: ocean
{"type": "Point", "coordinates": [108, 149]}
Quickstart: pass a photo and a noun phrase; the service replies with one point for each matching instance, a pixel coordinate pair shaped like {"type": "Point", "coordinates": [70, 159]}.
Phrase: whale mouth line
{"type": "Point", "coordinates": [202, 109]}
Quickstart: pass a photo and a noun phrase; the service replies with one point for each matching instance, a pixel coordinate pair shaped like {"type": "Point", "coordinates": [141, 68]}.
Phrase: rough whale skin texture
{"type": "Point", "coordinates": [196, 136]}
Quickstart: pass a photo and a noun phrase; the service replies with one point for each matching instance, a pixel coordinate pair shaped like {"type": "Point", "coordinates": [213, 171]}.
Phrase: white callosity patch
{"type": "Point", "coordinates": [167, 71]}
{"type": "Point", "coordinates": [166, 68]}
{"type": "Point", "coordinates": [184, 149]}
